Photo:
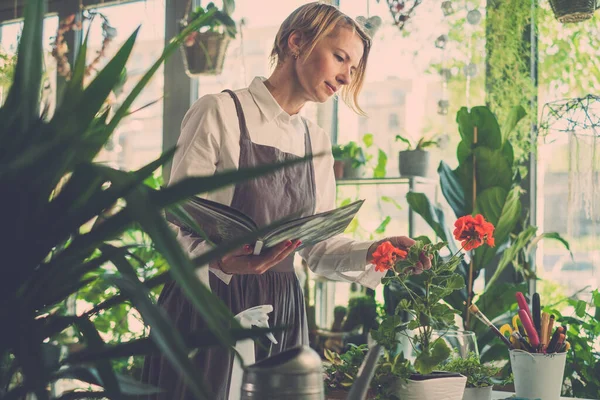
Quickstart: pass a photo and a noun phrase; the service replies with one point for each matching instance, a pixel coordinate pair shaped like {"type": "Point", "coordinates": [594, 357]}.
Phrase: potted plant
{"type": "Point", "coordinates": [52, 253]}
{"type": "Point", "coordinates": [416, 378]}
{"type": "Point", "coordinates": [349, 161]}
{"type": "Point", "coordinates": [342, 370]}
{"type": "Point", "coordinates": [204, 49]}
{"type": "Point", "coordinates": [414, 161]}
{"type": "Point", "coordinates": [479, 376]}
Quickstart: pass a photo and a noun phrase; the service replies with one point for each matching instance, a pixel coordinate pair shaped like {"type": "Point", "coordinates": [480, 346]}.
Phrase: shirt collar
{"type": "Point", "coordinates": [267, 103]}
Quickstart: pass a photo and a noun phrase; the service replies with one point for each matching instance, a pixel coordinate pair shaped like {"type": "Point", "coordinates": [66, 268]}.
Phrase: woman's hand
{"type": "Point", "coordinates": [242, 262]}
{"type": "Point", "coordinates": [403, 243]}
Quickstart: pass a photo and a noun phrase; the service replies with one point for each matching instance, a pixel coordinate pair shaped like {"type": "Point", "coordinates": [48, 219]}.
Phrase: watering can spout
{"type": "Point", "coordinates": [365, 374]}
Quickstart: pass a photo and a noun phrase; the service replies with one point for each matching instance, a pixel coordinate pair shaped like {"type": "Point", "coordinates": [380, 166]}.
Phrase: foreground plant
{"type": "Point", "coordinates": [51, 189]}
{"type": "Point", "coordinates": [426, 307]}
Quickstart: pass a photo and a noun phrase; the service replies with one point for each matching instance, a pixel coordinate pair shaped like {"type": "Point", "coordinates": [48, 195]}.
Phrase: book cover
{"type": "Point", "coordinates": [221, 223]}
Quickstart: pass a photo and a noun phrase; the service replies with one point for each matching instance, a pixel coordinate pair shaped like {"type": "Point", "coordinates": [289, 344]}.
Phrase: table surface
{"type": "Point", "coordinates": [507, 395]}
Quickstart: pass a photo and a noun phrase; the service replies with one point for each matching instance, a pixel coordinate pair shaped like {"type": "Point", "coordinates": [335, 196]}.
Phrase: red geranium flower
{"type": "Point", "coordinates": [474, 231]}
{"type": "Point", "coordinates": [385, 256]}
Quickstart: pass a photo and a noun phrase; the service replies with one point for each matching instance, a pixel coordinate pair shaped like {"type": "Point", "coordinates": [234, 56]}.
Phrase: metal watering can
{"type": "Point", "coordinates": [297, 374]}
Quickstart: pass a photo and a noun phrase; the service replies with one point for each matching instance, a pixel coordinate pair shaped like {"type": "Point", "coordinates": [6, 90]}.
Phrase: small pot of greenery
{"type": "Point", "coordinates": [204, 49]}
{"type": "Point", "coordinates": [479, 376]}
{"type": "Point", "coordinates": [350, 161]}
{"type": "Point", "coordinates": [414, 161]}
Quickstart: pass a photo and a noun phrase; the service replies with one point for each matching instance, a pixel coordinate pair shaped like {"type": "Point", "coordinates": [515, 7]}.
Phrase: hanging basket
{"type": "Point", "coordinates": [205, 55]}
{"type": "Point", "coordinates": [570, 11]}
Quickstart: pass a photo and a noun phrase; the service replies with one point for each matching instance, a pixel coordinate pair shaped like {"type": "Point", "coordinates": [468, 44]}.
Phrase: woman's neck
{"type": "Point", "coordinates": [284, 87]}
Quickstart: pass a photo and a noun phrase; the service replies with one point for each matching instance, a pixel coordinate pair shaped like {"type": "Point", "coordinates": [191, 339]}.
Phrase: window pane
{"type": "Point", "coordinates": [568, 162]}
{"type": "Point", "coordinates": [248, 54]}
{"type": "Point", "coordinates": [138, 139]}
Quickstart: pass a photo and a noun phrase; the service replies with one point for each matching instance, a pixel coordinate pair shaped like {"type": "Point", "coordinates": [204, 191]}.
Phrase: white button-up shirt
{"type": "Point", "coordinates": [209, 144]}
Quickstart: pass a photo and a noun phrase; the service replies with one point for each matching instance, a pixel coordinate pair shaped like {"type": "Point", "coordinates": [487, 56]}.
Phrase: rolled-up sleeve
{"type": "Point", "coordinates": [338, 258]}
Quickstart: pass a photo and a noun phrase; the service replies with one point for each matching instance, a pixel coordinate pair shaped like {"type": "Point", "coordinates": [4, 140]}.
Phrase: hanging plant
{"type": "Point", "coordinates": [204, 49]}
{"type": "Point", "coordinates": [60, 47]}
{"type": "Point", "coordinates": [402, 10]}
{"type": "Point", "coordinates": [508, 75]}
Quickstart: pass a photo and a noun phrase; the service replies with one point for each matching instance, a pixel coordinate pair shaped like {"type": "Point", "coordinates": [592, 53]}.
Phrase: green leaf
{"type": "Point", "coordinates": [455, 282]}
{"type": "Point", "coordinates": [426, 362]}
{"type": "Point", "coordinates": [381, 228]}
{"type": "Point", "coordinates": [105, 371]}
{"type": "Point", "coordinates": [488, 131]}
{"type": "Point", "coordinates": [490, 203]}
{"type": "Point", "coordinates": [388, 199]}
{"type": "Point", "coordinates": [492, 169]}
{"type": "Point", "coordinates": [368, 140]}
{"type": "Point", "coordinates": [24, 96]}
{"type": "Point", "coordinates": [511, 212]}
{"type": "Point", "coordinates": [452, 189]}
{"type": "Point", "coordinates": [463, 151]}
{"type": "Point", "coordinates": [508, 153]}
{"type": "Point", "coordinates": [434, 216]}
{"type": "Point", "coordinates": [515, 115]}
{"type": "Point", "coordinates": [510, 254]}
{"type": "Point", "coordinates": [380, 171]}
{"type": "Point", "coordinates": [580, 308]}
{"type": "Point", "coordinates": [555, 236]}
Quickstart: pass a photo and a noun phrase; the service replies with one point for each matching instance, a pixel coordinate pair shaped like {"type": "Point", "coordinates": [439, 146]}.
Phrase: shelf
{"type": "Point", "coordinates": [405, 180]}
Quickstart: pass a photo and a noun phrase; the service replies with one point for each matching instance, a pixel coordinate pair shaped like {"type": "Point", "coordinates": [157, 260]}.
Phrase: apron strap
{"type": "Point", "coordinates": [240, 113]}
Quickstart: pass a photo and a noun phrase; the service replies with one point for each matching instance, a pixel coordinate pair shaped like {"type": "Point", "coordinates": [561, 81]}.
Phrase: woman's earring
{"type": "Point", "coordinates": [295, 54]}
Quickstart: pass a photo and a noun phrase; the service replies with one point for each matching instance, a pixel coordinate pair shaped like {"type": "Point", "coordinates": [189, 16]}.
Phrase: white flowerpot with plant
{"type": "Point", "coordinates": [414, 161]}
{"type": "Point", "coordinates": [479, 376]}
{"type": "Point", "coordinates": [425, 292]}
{"type": "Point", "coordinates": [349, 161]}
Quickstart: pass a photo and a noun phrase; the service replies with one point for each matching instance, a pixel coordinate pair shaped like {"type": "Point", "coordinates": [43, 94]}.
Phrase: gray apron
{"type": "Point", "coordinates": [265, 199]}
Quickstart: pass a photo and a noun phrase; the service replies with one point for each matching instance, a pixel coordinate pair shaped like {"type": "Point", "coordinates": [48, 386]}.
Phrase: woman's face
{"type": "Point", "coordinates": [330, 65]}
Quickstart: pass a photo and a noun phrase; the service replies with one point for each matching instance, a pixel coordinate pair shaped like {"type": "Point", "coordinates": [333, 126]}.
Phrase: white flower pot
{"type": "Point", "coordinates": [442, 388]}
{"type": "Point", "coordinates": [480, 393]}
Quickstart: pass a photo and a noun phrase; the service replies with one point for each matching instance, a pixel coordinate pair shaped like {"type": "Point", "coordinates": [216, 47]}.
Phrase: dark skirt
{"type": "Point", "coordinates": [280, 289]}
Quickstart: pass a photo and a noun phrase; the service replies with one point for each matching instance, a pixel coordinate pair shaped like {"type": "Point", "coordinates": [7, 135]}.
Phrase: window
{"type": "Point", "coordinates": [393, 122]}
{"type": "Point", "coordinates": [568, 181]}
{"type": "Point", "coordinates": [138, 140]}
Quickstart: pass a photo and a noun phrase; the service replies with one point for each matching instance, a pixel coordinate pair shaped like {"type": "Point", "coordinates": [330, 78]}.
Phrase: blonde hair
{"type": "Point", "coordinates": [316, 21]}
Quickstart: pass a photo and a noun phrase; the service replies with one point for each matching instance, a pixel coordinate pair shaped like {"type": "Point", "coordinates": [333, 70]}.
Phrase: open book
{"type": "Point", "coordinates": [222, 223]}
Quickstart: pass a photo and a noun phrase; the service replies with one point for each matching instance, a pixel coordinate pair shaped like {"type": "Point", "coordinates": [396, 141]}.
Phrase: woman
{"type": "Point", "coordinates": [318, 51]}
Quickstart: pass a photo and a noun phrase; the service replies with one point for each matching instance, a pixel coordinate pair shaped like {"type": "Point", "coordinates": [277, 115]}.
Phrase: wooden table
{"type": "Point", "coordinates": [507, 395]}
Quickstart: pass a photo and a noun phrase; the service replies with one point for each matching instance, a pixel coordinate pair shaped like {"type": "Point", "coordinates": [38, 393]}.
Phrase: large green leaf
{"type": "Point", "coordinates": [515, 115]}
{"type": "Point", "coordinates": [24, 96]}
{"type": "Point", "coordinates": [105, 371]}
{"type": "Point", "coordinates": [453, 190]}
{"type": "Point", "coordinates": [488, 131]}
{"type": "Point", "coordinates": [510, 254]}
{"type": "Point", "coordinates": [492, 169]}
{"type": "Point", "coordinates": [490, 203]}
{"type": "Point", "coordinates": [434, 216]}
{"type": "Point", "coordinates": [511, 212]}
